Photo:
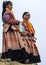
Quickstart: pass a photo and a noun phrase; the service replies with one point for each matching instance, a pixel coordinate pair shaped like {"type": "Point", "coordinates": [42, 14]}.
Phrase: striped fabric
{"type": "Point", "coordinates": [14, 40]}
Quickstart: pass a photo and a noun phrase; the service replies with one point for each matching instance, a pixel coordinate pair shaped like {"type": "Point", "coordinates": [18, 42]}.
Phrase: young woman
{"type": "Point", "coordinates": [12, 46]}
{"type": "Point", "coordinates": [29, 39]}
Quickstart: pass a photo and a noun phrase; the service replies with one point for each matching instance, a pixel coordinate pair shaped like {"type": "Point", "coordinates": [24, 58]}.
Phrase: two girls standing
{"type": "Point", "coordinates": [18, 37]}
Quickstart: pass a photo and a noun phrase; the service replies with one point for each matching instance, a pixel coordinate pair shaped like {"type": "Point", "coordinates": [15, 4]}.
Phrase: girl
{"type": "Point", "coordinates": [12, 46]}
{"type": "Point", "coordinates": [32, 53]}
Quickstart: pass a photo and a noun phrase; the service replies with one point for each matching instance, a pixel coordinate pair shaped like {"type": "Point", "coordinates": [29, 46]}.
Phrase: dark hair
{"type": "Point", "coordinates": [25, 14]}
{"type": "Point", "coordinates": [4, 5]}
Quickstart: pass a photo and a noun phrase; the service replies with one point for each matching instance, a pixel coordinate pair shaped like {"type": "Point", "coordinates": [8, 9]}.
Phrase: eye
{"type": "Point", "coordinates": [27, 15]}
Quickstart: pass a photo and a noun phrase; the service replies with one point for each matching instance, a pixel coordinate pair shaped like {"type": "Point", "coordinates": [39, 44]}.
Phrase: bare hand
{"type": "Point", "coordinates": [17, 21]}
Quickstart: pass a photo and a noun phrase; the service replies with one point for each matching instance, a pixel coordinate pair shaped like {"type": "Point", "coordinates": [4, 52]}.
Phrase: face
{"type": "Point", "coordinates": [27, 16]}
{"type": "Point", "coordinates": [9, 6]}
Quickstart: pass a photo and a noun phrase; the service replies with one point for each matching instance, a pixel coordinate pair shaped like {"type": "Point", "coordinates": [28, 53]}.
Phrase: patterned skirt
{"type": "Point", "coordinates": [20, 48]}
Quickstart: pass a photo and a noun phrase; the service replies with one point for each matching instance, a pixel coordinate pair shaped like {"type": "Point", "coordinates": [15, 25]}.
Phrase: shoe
{"type": "Point", "coordinates": [3, 60]}
{"type": "Point", "coordinates": [8, 59]}
{"type": "Point", "coordinates": [27, 61]}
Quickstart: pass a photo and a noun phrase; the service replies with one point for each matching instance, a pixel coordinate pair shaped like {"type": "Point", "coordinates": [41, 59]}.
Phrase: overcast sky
{"type": "Point", "coordinates": [37, 9]}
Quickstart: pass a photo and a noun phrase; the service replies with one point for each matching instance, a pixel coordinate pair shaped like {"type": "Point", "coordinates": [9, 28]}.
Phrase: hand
{"type": "Point", "coordinates": [17, 22]}
{"type": "Point", "coordinates": [24, 33]}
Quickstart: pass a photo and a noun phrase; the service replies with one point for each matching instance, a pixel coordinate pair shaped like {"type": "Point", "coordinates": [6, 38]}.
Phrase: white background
{"type": "Point", "coordinates": [37, 9]}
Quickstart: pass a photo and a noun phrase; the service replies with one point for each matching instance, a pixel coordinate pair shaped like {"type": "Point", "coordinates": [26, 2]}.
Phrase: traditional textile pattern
{"type": "Point", "coordinates": [16, 45]}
